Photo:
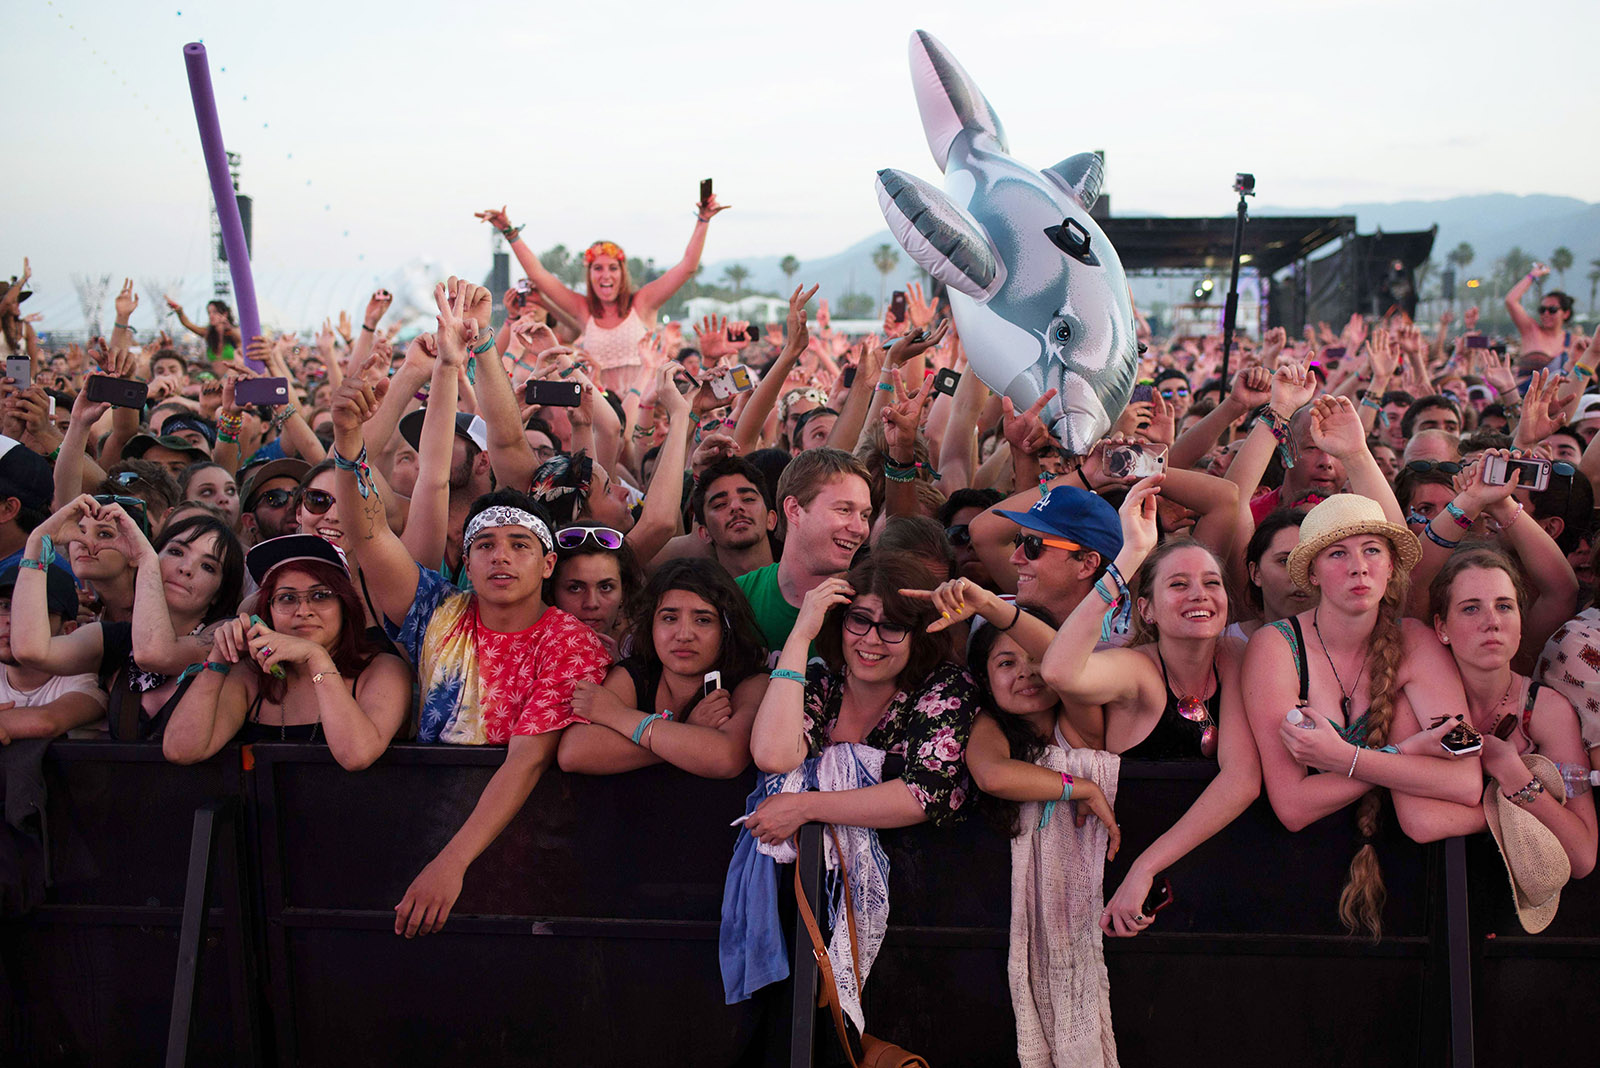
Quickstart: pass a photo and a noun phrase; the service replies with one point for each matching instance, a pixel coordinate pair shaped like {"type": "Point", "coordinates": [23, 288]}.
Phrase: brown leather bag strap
{"type": "Point", "coordinates": [849, 904]}
{"type": "Point", "coordinates": [828, 994]}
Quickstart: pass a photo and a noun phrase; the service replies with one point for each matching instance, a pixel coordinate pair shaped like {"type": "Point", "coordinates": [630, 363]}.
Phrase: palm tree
{"type": "Point", "coordinates": [885, 259]}
{"type": "Point", "coordinates": [736, 274]}
{"type": "Point", "coordinates": [1512, 266]}
{"type": "Point", "coordinates": [790, 267]}
{"type": "Point", "coordinates": [1560, 260]}
{"type": "Point", "coordinates": [1460, 256]}
{"type": "Point", "coordinates": [1594, 283]}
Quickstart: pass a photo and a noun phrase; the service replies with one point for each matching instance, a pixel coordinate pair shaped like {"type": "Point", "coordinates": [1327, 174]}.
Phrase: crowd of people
{"type": "Point", "coordinates": [605, 545]}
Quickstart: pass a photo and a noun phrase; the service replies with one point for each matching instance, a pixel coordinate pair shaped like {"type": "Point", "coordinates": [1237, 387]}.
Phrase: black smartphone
{"type": "Point", "coordinates": [705, 191]}
{"type": "Point", "coordinates": [20, 371]}
{"type": "Point", "coordinates": [555, 392]}
{"type": "Point", "coordinates": [1477, 341]}
{"type": "Point", "coordinates": [946, 381]}
{"type": "Point", "coordinates": [1333, 352]}
{"type": "Point", "coordinates": [848, 376]}
{"type": "Point", "coordinates": [897, 306]}
{"type": "Point", "coordinates": [119, 392]}
{"type": "Point", "coordinates": [269, 391]}
{"type": "Point", "coordinates": [1160, 897]}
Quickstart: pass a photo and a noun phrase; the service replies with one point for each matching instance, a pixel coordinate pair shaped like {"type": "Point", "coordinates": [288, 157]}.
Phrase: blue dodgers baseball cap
{"type": "Point", "coordinates": [1074, 515]}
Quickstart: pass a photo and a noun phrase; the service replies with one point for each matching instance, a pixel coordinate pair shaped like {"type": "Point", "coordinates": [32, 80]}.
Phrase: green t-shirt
{"type": "Point", "coordinates": [775, 615]}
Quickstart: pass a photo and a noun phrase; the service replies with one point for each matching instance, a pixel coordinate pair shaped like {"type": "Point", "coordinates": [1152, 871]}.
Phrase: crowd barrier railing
{"type": "Point", "coordinates": [588, 932]}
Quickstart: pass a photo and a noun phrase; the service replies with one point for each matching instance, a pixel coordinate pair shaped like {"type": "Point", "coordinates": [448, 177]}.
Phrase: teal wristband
{"type": "Point", "coordinates": [47, 552]}
{"type": "Point", "coordinates": [785, 673]}
{"type": "Point", "coordinates": [638, 732]}
{"type": "Point", "coordinates": [212, 665]}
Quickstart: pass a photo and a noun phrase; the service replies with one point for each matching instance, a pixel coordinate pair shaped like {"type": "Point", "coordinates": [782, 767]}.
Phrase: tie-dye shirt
{"type": "Point", "coordinates": [481, 686]}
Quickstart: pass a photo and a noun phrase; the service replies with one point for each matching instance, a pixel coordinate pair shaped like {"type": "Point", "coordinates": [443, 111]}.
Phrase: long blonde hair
{"type": "Point", "coordinates": [1362, 899]}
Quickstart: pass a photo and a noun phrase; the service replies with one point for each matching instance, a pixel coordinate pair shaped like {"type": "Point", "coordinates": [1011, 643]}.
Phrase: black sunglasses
{"type": "Point", "coordinates": [132, 505]}
{"type": "Point", "coordinates": [960, 536]}
{"type": "Point", "coordinates": [1033, 545]}
{"type": "Point", "coordinates": [275, 498]}
{"type": "Point", "coordinates": [1549, 309]}
{"type": "Point", "coordinates": [1422, 467]}
{"type": "Point", "coordinates": [860, 624]}
{"type": "Point", "coordinates": [316, 501]}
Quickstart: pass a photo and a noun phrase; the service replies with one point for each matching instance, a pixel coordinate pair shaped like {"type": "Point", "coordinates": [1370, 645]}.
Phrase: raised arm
{"type": "Point", "coordinates": [362, 347]}
{"type": "Point", "coordinates": [1251, 389]}
{"type": "Point", "coordinates": [653, 294]}
{"type": "Point", "coordinates": [1336, 429]}
{"type": "Point", "coordinates": [663, 501]}
{"type": "Point", "coordinates": [32, 644]}
{"type": "Point", "coordinates": [1514, 295]}
{"type": "Point", "coordinates": [778, 737]}
{"type": "Point", "coordinates": [73, 461]}
{"type": "Point", "coordinates": [902, 420]}
{"type": "Point", "coordinates": [572, 303]}
{"type": "Point", "coordinates": [193, 328]}
{"type": "Point", "coordinates": [748, 431]}
{"type": "Point", "coordinates": [429, 517]}
{"type": "Point", "coordinates": [958, 449]}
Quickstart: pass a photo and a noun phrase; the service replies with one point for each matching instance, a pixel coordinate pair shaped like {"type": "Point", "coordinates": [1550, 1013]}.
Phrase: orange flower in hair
{"type": "Point", "coordinates": [603, 248]}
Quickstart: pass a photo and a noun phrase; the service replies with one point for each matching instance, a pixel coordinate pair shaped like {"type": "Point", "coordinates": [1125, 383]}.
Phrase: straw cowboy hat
{"type": "Point", "coordinates": [1535, 862]}
{"type": "Point", "coordinates": [1341, 516]}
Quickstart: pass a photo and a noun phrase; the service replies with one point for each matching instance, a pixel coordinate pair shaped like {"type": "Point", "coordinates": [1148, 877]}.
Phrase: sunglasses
{"type": "Point", "coordinates": [572, 537]}
{"type": "Point", "coordinates": [1033, 545]}
{"type": "Point", "coordinates": [1422, 467]}
{"type": "Point", "coordinates": [275, 498]}
{"type": "Point", "coordinates": [960, 536]}
{"type": "Point", "coordinates": [860, 624]}
{"type": "Point", "coordinates": [1160, 897]}
{"type": "Point", "coordinates": [1549, 309]}
{"type": "Point", "coordinates": [316, 501]}
{"type": "Point", "coordinates": [132, 505]}
{"type": "Point", "coordinates": [1168, 394]}
{"type": "Point", "coordinates": [1194, 710]}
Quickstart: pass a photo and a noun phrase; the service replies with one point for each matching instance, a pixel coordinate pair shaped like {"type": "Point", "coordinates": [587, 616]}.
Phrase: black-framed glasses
{"type": "Point", "coordinates": [275, 498]}
{"type": "Point", "coordinates": [1549, 309]}
{"type": "Point", "coordinates": [572, 537]}
{"type": "Point", "coordinates": [132, 505]}
{"type": "Point", "coordinates": [1033, 545]}
{"type": "Point", "coordinates": [1422, 467]}
{"type": "Point", "coordinates": [291, 600]}
{"type": "Point", "coordinates": [860, 624]}
{"type": "Point", "coordinates": [316, 501]}
{"type": "Point", "coordinates": [960, 535]}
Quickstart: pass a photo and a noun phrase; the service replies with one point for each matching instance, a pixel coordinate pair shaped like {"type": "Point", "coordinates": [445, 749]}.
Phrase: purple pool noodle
{"type": "Point", "coordinates": [205, 116]}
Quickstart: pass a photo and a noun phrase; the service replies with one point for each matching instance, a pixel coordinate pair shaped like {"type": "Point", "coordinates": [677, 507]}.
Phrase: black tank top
{"type": "Point", "coordinates": [1173, 737]}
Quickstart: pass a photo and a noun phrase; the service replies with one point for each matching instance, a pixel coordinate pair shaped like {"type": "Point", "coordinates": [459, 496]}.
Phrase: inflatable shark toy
{"type": "Point", "coordinates": [1039, 295]}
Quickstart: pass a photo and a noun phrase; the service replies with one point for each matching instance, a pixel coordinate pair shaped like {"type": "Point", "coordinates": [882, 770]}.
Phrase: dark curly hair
{"type": "Point", "coordinates": [743, 651]}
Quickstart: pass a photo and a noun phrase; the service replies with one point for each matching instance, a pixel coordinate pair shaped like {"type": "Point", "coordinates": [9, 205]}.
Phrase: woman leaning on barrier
{"type": "Point", "coordinates": [294, 666]}
{"type": "Point", "coordinates": [663, 703]}
{"type": "Point", "coordinates": [1172, 694]}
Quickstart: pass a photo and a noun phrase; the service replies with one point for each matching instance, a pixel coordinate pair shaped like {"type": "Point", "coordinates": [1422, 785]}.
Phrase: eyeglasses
{"type": "Point", "coordinates": [316, 501]}
{"type": "Point", "coordinates": [132, 505]}
{"type": "Point", "coordinates": [275, 498]}
{"type": "Point", "coordinates": [960, 536]}
{"type": "Point", "coordinates": [1194, 710]}
{"type": "Point", "coordinates": [1422, 467]}
{"type": "Point", "coordinates": [291, 600]}
{"type": "Point", "coordinates": [1549, 309]}
{"type": "Point", "coordinates": [572, 537]}
{"type": "Point", "coordinates": [860, 624]}
{"type": "Point", "coordinates": [1033, 545]}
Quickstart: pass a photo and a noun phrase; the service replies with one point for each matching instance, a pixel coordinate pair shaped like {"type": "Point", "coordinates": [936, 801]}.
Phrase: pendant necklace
{"type": "Point", "coordinates": [1344, 695]}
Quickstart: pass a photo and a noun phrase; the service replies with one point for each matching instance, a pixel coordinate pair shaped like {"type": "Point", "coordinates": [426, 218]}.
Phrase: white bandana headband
{"type": "Point", "coordinates": [505, 516]}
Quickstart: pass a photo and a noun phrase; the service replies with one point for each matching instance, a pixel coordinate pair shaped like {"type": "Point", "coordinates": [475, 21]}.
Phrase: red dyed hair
{"type": "Point", "coordinates": [352, 652]}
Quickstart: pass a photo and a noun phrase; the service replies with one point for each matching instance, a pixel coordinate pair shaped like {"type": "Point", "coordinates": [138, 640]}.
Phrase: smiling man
{"type": "Point", "coordinates": [824, 516]}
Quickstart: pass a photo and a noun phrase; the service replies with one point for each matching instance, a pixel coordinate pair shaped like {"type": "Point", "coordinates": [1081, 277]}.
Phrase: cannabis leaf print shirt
{"type": "Point", "coordinates": [482, 686]}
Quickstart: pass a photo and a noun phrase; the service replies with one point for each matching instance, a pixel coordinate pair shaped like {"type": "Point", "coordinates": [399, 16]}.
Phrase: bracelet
{"type": "Point", "coordinates": [785, 673]}
{"type": "Point", "coordinates": [47, 551]}
{"type": "Point", "coordinates": [1443, 543]}
{"type": "Point", "coordinates": [1353, 758]}
{"type": "Point", "coordinates": [37, 565]}
{"type": "Point", "coordinates": [1084, 479]}
{"type": "Point", "coordinates": [225, 438]}
{"type": "Point", "coordinates": [368, 329]}
{"type": "Point", "coordinates": [1582, 371]}
{"type": "Point", "coordinates": [119, 326]}
{"type": "Point", "coordinates": [1050, 806]}
{"type": "Point", "coordinates": [319, 676]}
{"type": "Point", "coordinates": [212, 665]}
{"type": "Point", "coordinates": [1066, 786]}
{"type": "Point", "coordinates": [897, 473]}
{"type": "Point", "coordinates": [1458, 515]}
{"type": "Point", "coordinates": [1501, 528]}
{"type": "Point", "coordinates": [511, 233]}
{"type": "Point", "coordinates": [1383, 416]}
{"type": "Point", "coordinates": [638, 732]}
{"type": "Point", "coordinates": [1014, 618]}
{"type": "Point", "coordinates": [886, 387]}
{"type": "Point", "coordinates": [358, 465]}
{"type": "Point", "coordinates": [636, 393]}
{"type": "Point", "coordinates": [566, 372]}
{"type": "Point", "coordinates": [283, 417]}
{"type": "Point", "coordinates": [1526, 795]}
{"type": "Point", "coordinates": [1279, 426]}
{"type": "Point", "coordinates": [486, 346]}
{"type": "Point", "coordinates": [55, 454]}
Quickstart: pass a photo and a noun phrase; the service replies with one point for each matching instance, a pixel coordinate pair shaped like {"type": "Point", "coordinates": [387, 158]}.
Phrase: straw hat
{"type": "Point", "coordinates": [1535, 862]}
{"type": "Point", "coordinates": [1341, 516]}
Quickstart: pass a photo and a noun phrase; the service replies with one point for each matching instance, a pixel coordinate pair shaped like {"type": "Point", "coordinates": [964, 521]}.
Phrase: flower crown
{"type": "Point", "coordinates": [603, 248]}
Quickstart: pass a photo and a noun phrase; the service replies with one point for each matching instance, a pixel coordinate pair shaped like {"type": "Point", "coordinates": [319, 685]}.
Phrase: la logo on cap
{"type": "Point", "coordinates": [1040, 504]}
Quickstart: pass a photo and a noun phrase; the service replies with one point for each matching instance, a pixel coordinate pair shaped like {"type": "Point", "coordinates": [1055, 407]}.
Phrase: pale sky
{"type": "Point", "coordinates": [370, 133]}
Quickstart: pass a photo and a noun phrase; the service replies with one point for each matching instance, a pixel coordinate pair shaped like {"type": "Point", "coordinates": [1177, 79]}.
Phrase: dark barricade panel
{"type": "Point", "coordinates": [1251, 941]}
{"type": "Point", "coordinates": [90, 972]}
{"type": "Point", "coordinates": [587, 933]}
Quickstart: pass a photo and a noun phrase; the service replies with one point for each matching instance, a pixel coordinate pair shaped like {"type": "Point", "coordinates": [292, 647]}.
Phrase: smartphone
{"type": "Point", "coordinates": [1142, 393]}
{"type": "Point", "coordinates": [1135, 461]}
{"type": "Point", "coordinates": [1333, 352]}
{"type": "Point", "coordinates": [749, 333]}
{"type": "Point", "coordinates": [119, 392]}
{"type": "Point", "coordinates": [737, 379]}
{"type": "Point", "coordinates": [20, 371]}
{"type": "Point", "coordinates": [705, 190]}
{"type": "Point", "coordinates": [897, 306]}
{"type": "Point", "coordinates": [713, 682]}
{"type": "Point", "coordinates": [1535, 473]}
{"type": "Point", "coordinates": [946, 381]}
{"type": "Point", "coordinates": [848, 376]}
{"type": "Point", "coordinates": [1477, 341]}
{"type": "Point", "coordinates": [1462, 739]}
{"type": "Point", "coordinates": [270, 391]}
{"type": "Point", "coordinates": [277, 671]}
{"type": "Point", "coordinates": [555, 392]}
{"type": "Point", "coordinates": [1160, 897]}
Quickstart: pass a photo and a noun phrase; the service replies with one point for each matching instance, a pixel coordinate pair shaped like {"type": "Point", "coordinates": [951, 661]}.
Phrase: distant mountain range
{"type": "Point", "coordinates": [1491, 224]}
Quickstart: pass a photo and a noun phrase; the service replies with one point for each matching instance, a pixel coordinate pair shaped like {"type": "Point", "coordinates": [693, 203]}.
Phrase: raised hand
{"type": "Point", "coordinates": [1336, 428]}
{"type": "Point", "coordinates": [377, 305]}
{"type": "Point", "coordinates": [818, 601]}
{"type": "Point", "coordinates": [1539, 271]}
{"type": "Point", "coordinates": [919, 313]}
{"type": "Point", "coordinates": [1497, 372]}
{"type": "Point", "coordinates": [1163, 425]}
{"type": "Point", "coordinates": [913, 345]}
{"type": "Point", "coordinates": [358, 397]}
{"type": "Point", "coordinates": [174, 305]}
{"type": "Point", "coordinates": [1382, 353]}
{"type": "Point", "coordinates": [904, 416]}
{"type": "Point", "coordinates": [344, 326]}
{"type": "Point", "coordinates": [1542, 410]}
{"type": "Point", "coordinates": [1252, 387]}
{"type": "Point", "coordinates": [960, 599]}
{"type": "Point", "coordinates": [1292, 388]}
{"type": "Point", "coordinates": [456, 327]}
{"type": "Point", "coordinates": [711, 338]}
{"type": "Point", "coordinates": [326, 339]}
{"type": "Point", "coordinates": [705, 211]}
{"type": "Point", "coordinates": [496, 218]}
{"type": "Point", "coordinates": [1480, 496]}
{"type": "Point", "coordinates": [1138, 514]}
{"type": "Point", "coordinates": [799, 336]}
{"type": "Point", "coordinates": [127, 300]}
{"type": "Point", "coordinates": [1025, 433]}
{"type": "Point", "coordinates": [1469, 318]}
{"type": "Point", "coordinates": [1272, 343]}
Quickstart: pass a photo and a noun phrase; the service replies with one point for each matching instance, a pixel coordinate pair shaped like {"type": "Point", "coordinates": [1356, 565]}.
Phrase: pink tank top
{"type": "Point", "coordinates": [614, 346]}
